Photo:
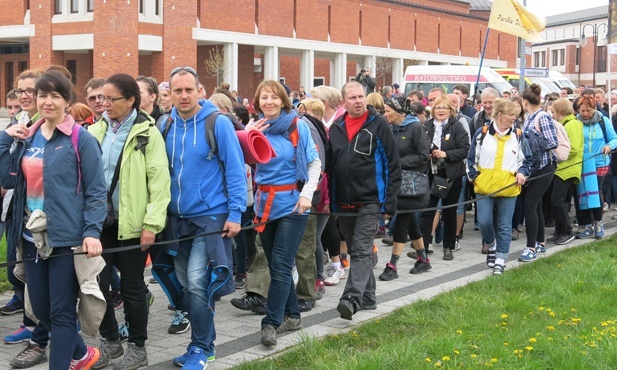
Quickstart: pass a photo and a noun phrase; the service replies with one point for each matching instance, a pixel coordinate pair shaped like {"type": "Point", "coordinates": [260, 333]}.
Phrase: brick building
{"type": "Point", "coordinates": [303, 42]}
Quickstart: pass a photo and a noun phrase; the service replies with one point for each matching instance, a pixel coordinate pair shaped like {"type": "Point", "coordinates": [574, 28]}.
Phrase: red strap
{"type": "Point", "coordinates": [271, 190]}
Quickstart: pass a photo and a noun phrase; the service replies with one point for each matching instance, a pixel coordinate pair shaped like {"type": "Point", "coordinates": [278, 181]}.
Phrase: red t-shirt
{"type": "Point", "coordinates": [354, 125]}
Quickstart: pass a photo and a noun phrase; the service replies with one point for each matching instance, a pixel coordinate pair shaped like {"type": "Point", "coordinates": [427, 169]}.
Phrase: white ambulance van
{"type": "Point", "coordinates": [427, 77]}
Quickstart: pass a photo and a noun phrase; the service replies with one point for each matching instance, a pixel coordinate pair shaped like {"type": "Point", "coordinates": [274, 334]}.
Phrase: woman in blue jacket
{"type": "Point", "coordinates": [599, 139]}
{"type": "Point", "coordinates": [50, 175]}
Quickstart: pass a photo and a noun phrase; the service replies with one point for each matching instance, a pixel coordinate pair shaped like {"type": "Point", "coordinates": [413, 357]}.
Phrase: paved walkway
{"type": "Point", "coordinates": [239, 331]}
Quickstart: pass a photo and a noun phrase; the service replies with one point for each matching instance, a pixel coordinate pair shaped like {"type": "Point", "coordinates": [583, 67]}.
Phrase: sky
{"type": "Point", "coordinates": [545, 8]}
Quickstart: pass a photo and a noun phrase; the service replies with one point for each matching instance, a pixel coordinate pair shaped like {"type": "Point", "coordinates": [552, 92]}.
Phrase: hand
{"type": "Point", "coordinates": [439, 154]}
{"type": "Point", "coordinates": [326, 208]}
{"type": "Point", "coordinates": [233, 228]}
{"type": "Point", "coordinates": [302, 205]}
{"type": "Point", "coordinates": [606, 149]}
{"type": "Point", "coordinates": [520, 179]}
{"type": "Point", "coordinates": [92, 247]}
{"type": "Point", "coordinates": [19, 131]}
{"type": "Point", "coordinates": [259, 125]}
{"type": "Point", "coordinates": [147, 238]}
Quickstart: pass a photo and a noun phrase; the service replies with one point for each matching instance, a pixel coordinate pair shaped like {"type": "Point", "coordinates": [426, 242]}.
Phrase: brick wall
{"type": "Point", "coordinates": [15, 16]}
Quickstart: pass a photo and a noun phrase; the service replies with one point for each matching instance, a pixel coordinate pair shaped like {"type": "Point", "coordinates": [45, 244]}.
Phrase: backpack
{"type": "Point", "coordinates": [563, 141]}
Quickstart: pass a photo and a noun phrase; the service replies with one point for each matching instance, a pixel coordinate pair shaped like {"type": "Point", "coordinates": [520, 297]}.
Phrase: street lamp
{"type": "Point", "coordinates": [595, 28]}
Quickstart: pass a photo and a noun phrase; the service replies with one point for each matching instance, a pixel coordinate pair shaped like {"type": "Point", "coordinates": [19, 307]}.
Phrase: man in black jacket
{"type": "Point", "coordinates": [368, 82]}
{"type": "Point", "coordinates": [365, 179]}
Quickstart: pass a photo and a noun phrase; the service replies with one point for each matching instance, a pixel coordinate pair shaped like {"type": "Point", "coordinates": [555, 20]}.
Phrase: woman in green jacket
{"type": "Point", "coordinates": [568, 172]}
{"type": "Point", "coordinates": [138, 195]}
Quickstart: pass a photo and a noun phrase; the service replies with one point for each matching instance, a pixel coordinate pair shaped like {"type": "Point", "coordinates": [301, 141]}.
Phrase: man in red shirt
{"type": "Point", "coordinates": [94, 99]}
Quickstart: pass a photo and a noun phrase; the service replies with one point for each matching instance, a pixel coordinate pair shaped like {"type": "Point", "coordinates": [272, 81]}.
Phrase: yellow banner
{"type": "Point", "coordinates": [612, 22]}
{"type": "Point", "coordinates": [511, 17]}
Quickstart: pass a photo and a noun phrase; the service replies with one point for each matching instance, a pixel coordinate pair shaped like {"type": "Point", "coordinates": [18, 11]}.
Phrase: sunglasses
{"type": "Point", "coordinates": [187, 69]}
{"type": "Point", "coordinates": [94, 98]}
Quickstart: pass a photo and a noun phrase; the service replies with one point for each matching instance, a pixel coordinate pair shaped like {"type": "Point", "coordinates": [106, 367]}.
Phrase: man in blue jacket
{"type": "Point", "coordinates": [208, 194]}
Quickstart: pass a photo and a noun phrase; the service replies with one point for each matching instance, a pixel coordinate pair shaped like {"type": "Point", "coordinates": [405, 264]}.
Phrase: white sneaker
{"type": "Point", "coordinates": [294, 273]}
{"type": "Point", "coordinates": [333, 276]}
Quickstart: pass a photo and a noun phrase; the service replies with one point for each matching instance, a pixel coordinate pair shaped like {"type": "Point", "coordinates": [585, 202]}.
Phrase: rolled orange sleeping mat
{"type": "Point", "coordinates": [255, 147]}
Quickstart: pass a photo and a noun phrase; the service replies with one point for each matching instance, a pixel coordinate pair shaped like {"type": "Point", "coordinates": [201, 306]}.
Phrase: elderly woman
{"type": "Point", "coordinates": [495, 161]}
{"type": "Point", "coordinates": [599, 138]}
{"type": "Point", "coordinates": [568, 172]}
{"type": "Point", "coordinates": [449, 146]}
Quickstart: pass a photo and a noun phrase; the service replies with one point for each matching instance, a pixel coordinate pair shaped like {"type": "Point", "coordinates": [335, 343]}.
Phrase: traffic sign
{"type": "Point", "coordinates": [612, 49]}
{"type": "Point", "coordinates": [536, 72]}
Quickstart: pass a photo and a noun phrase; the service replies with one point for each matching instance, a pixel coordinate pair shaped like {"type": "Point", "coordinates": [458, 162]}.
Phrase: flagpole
{"type": "Point", "coordinates": [522, 62]}
{"type": "Point", "coordinates": [475, 90]}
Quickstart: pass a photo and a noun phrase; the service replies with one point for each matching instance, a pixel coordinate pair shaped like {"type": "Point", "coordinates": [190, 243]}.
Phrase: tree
{"type": "Point", "coordinates": [383, 66]}
{"type": "Point", "coordinates": [216, 65]}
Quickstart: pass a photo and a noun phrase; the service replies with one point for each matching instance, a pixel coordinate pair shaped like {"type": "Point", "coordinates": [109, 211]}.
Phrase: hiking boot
{"type": "Point", "coordinates": [116, 299]}
{"type": "Point", "coordinates": [250, 302]}
{"type": "Point", "coordinates": [334, 275]}
{"type": "Point", "coordinates": [412, 254]}
{"type": "Point", "coordinates": [389, 273]}
{"type": "Point", "coordinates": [85, 363]}
{"type": "Point", "coordinates": [374, 256]}
{"type": "Point", "coordinates": [29, 356]}
{"type": "Point", "coordinates": [320, 289]}
{"type": "Point", "coordinates": [305, 305]}
{"type": "Point", "coordinates": [528, 255]}
{"type": "Point", "coordinates": [268, 336]}
{"type": "Point", "coordinates": [388, 240]}
{"type": "Point", "coordinates": [447, 255]}
{"type": "Point", "coordinates": [20, 335]}
{"type": "Point", "coordinates": [180, 323]}
{"type": "Point", "coordinates": [134, 358]}
{"type": "Point", "coordinates": [587, 232]}
{"type": "Point", "coordinates": [289, 324]}
{"type": "Point", "coordinates": [598, 230]}
{"type": "Point", "coordinates": [421, 266]}
{"type": "Point", "coordinates": [366, 305]}
{"type": "Point", "coordinates": [15, 305]}
{"type": "Point", "coordinates": [108, 350]}
{"type": "Point", "coordinates": [564, 239]}
{"type": "Point", "coordinates": [196, 359]}
{"type": "Point", "coordinates": [181, 360]}
{"type": "Point", "coordinates": [123, 330]}
{"type": "Point", "coordinates": [346, 309]}
{"type": "Point", "coordinates": [240, 281]}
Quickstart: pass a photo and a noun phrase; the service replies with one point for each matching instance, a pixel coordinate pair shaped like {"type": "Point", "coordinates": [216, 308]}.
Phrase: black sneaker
{"type": "Point", "coordinates": [346, 309]}
{"type": "Point", "coordinates": [180, 323]}
{"type": "Point", "coordinates": [15, 305]}
{"type": "Point", "coordinates": [553, 239]}
{"type": "Point", "coordinates": [240, 281]}
{"type": "Point", "coordinates": [366, 305]}
{"type": "Point", "coordinates": [412, 254]}
{"type": "Point", "coordinates": [250, 302]}
{"type": "Point", "coordinates": [389, 273]}
{"type": "Point", "coordinates": [447, 254]}
{"type": "Point", "coordinates": [564, 239]}
{"type": "Point", "coordinates": [388, 240]}
{"type": "Point", "coordinates": [421, 266]}
{"type": "Point", "coordinates": [305, 305]}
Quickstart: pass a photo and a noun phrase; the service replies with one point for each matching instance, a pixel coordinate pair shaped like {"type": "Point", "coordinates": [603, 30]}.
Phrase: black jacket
{"type": "Point", "coordinates": [367, 81]}
{"type": "Point", "coordinates": [365, 170]}
{"type": "Point", "coordinates": [412, 145]}
{"type": "Point", "coordinates": [455, 142]}
{"type": "Point", "coordinates": [479, 119]}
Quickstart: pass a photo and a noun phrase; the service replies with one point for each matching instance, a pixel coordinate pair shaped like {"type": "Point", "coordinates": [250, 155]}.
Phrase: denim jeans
{"type": "Point", "coordinates": [280, 241]}
{"type": "Point", "coordinates": [193, 273]}
{"type": "Point", "coordinates": [503, 217]}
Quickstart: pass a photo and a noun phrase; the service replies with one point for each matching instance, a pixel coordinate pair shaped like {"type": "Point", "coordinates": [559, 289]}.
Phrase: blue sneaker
{"type": "Point", "coordinates": [15, 305]}
{"type": "Point", "coordinates": [540, 249]}
{"type": "Point", "coordinates": [196, 359]}
{"type": "Point", "coordinates": [528, 255]}
{"type": "Point", "coordinates": [586, 233]}
{"type": "Point", "coordinates": [181, 360]}
{"type": "Point", "coordinates": [599, 230]}
{"type": "Point", "coordinates": [20, 335]}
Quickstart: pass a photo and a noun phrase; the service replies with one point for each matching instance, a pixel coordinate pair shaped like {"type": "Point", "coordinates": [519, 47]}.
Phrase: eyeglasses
{"type": "Point", "coordinates": [28, 91]}
{"type": "Point", "coordinates": [110, 100]}
{"type": "Point", "coordinates": [187, 69]}
{"type": "Point", "coordinates": [94, 98]}
{"type": "Point", "coordinates": [441, 108]}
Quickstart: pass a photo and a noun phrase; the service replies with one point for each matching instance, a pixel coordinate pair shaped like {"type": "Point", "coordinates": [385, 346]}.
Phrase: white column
{"type": "Point", "coordinates": [338, 76]}
{"type": "Point", "coordinates": [370, 61]}
{"type": "Point", "coordinates": [307, 69]}
{"type": "Point", "coordinates": [398, 73]}
{"type": "Point", "coordinates": [271, 67]}
{"type": "Point", "coordinates": [230, 75]}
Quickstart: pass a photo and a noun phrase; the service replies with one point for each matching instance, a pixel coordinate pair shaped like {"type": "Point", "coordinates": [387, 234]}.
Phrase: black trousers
{"type": "Point", "coordinates": [560, 206]}
{"type": "Point", "coordinates": [532, 205]}
{"type": "Point", "coordinates": [448, 216]}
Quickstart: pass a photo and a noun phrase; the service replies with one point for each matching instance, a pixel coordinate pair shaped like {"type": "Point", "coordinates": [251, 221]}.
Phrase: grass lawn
{"type": "Point", "coordinates": [559, 312]}
{"type": "Point", "coordinates": [4, 283]}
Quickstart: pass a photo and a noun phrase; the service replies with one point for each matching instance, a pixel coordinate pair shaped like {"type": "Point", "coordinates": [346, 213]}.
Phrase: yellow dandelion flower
{"type": "Point", "coordinates": [505, 344]}
{"type": "Point", "coordinates": [473, 355]}
{"type": "Point", "coordinates": [445, 358]}
{"type": "Point", "coordinates": [532, 340]}
{"type": "Point", "coordinates": [540, 308]}
{"type": "Point", "coordinates": [504, 323]}
{"type": "Point", "coordinates": [552, 314]}
{"type": "Point", "coordinates": [520, 356]}
{"type": "Point", "coordinates": [504, 316]}
{"type": "Point", "coordinates": [573, 309]}
{"type": "Point", "coordinates": [517, 351]}
{"type": "Point", "coordinates": [583, 352]}
{"type": "Point", "coordinates": [550, 327]}
{"type": "Point", "coordinates": [529, 348]}
{"type": "Point", "coordinates": [550, 338]}
{"type": "Point", "coordinates": [459, 331]}
{"type": "Point", "coordinates": [494, 360]}
{"type": "Point", "coordinates": [428, 359]}
{"type": "Point", "coordinates": [457, 352]}
{"type": "Point", "coordinates": [548, 310]}
{"type": "Point", "coordinates": [438, 364]}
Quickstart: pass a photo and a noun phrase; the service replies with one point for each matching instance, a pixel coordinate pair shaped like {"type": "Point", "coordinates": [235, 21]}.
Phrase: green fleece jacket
{"type": "Point", "coordinates": [568, 169]}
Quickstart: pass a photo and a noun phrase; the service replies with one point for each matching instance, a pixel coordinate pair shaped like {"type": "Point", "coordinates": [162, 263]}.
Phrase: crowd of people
{"type": "Point", "coordinates": [115, 179]}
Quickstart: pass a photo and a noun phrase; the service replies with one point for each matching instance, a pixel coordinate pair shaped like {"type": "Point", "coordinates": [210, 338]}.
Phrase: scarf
{"type": "Point", "coordinates": [597, 117]}
{"type": "Point", "coordinates": [280, 126]}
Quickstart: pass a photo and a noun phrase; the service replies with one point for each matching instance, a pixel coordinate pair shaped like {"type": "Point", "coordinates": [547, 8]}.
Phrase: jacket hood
{"type": "Point", "coordinates": [409, 119]}
{"type": "Point", "coordinates": [597, 117]}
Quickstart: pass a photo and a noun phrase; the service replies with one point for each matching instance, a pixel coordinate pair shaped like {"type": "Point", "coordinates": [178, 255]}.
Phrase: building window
{"type": "Point", "coordinates": [90, 6]}
{"type": "Point", "coordinates": [539, 59]}
{"type": "Point", "coordinates": [554, 57]}
{"type": "Point", "coordinates": [319, 81]}
{"type": "Point", "coordinates": [71, 65]}
{"type": "Point", "coordinates": [141, 6]}
{"type": "Point", "coordinates": [74, 6]}
{"type": "Point", "coordinates": [22, 66]}
{"type": "Point", "coordinates": [577, 56]}
{"type": "Point", "coordinates": [601, 59]}
{"type": "Point", "coordinates": [282, 80]}
{"type": "Point", "coordinates": [57, 6]}
{"type": "Point", "coordinates": [562, 57]}
{"type": "Point", "coordinates": [157, 7]}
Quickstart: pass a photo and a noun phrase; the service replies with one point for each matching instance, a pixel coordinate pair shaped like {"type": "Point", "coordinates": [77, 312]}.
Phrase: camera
{"type": "Point", "coordinates": [362, 70]}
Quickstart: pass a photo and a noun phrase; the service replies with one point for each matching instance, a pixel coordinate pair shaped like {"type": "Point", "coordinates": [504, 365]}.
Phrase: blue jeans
{"type": "Point", "coordinates": [192, 264]}
{"type": "Point", "coordinates": [505, 209]}
{"type": "Point", "coordinates": [53, 288]}
{"type": "Point", "coordinates": [280, 241]}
